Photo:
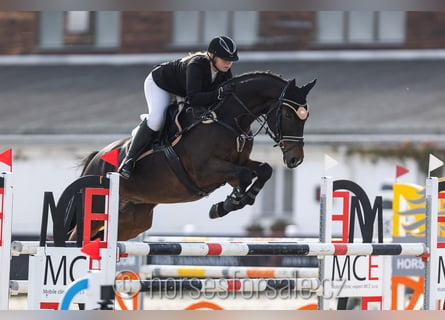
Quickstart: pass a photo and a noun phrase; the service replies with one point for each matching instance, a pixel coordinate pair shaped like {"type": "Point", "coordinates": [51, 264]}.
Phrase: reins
{"type": "Point", "coordinates": [242, 136]}
{"type": "Point", "coordinates": [262, 120]}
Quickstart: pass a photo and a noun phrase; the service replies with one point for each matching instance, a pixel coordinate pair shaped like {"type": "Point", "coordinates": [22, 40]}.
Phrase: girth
{"type": "Point", "coordinates": [176, 165]}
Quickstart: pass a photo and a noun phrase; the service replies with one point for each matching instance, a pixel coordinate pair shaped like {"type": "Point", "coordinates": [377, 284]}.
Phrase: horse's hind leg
{"type": "Point", "coordinates": [98, 205]}
{"type": "Point", "coordinates": [134, 218]}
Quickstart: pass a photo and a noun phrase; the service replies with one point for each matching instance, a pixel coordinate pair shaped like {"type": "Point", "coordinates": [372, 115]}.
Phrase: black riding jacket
{"type": "Point", "coordinates": [190, 78]}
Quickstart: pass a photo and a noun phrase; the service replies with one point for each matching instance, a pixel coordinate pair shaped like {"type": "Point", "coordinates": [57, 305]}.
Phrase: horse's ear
{"type": "Point", "coordinates": [306, 88]}
{"type": "Point", "coordinates": [292, 83]}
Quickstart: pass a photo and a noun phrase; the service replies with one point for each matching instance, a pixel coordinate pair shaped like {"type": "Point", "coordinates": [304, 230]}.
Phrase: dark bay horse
{"type": "Point", "coordinates": [213, 151]}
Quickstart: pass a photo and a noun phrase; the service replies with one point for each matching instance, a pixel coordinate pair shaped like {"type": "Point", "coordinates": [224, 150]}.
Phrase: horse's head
{"type": "Point", "coordinates": [286, 121]}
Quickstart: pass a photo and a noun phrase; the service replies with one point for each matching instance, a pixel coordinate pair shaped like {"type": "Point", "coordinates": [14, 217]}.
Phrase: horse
{"type": "Point", "coordinates": [213, 150]}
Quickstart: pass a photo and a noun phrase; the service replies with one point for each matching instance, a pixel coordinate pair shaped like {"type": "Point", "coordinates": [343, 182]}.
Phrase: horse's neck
{"type": "Point", "coordinates": [254, 98]}
{"type": "Point", "coordinates": [260, 93]}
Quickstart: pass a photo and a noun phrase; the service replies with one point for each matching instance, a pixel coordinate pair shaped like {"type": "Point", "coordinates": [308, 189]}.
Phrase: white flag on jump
{"type": "Point", "coordinates": [329, 162]}
{"type": "Point", "coordinates": [434, 163]}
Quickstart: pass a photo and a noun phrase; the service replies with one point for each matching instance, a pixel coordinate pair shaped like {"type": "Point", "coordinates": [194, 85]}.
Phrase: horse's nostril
{"type": "Point", "coordinates": [294, 162]}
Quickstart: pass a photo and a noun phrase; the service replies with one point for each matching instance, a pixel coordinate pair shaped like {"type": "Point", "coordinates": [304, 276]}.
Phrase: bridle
{"type": "Point", "coordinates": [301, 110]}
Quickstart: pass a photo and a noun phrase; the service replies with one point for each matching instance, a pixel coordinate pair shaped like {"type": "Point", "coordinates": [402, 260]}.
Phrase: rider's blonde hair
{"type": "Point", "coordinates": [194, 54]}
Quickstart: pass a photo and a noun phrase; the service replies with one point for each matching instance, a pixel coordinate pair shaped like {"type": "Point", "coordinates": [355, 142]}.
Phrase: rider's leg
{"type": "Point", "coordinates": [142, 138]}
{"type": "Point", "coordinates": [157, 101]}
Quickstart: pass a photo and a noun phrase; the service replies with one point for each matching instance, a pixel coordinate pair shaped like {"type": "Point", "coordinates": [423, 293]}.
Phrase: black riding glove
{"type": "Point", "coordinates": [225, 90]}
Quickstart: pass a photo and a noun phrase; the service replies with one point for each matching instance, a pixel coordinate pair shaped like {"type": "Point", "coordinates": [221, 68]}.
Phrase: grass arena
{"type": "Point", "coordinates": [348, 275]}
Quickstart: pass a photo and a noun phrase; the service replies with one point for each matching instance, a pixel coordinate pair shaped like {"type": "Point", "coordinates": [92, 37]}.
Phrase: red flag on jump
{"type": "Point", "coordinates": [400, 171]}
{"type": "Point", "coordinates": [6, 158]}
{"type": "Point", "coordinates": [112, 157]}
{"type": "Point", "coordinates": [92, 249]}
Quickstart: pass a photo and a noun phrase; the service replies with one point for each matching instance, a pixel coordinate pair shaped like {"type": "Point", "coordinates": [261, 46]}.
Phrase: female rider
{"type": "Point", "coordinates": [197, 77]}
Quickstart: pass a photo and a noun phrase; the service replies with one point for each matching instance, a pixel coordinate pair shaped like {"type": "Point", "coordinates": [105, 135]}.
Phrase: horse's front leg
{"type": "Point", "coordinates": [263, 172]}
{"type": "Point", "coordinates": [241, 196]}
{"type": "Point", "coordinates": [233, 201]}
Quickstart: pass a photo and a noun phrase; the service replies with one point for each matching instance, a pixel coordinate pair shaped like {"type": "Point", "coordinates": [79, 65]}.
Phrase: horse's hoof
{"type": "Point", "coordinates": [213, 213]}
{"type": "Point", "coordinates": [217, 211]}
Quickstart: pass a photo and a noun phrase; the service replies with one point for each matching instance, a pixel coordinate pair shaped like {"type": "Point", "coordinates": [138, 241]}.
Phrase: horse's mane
{"type": "Point", "coordinates": [255, 74]}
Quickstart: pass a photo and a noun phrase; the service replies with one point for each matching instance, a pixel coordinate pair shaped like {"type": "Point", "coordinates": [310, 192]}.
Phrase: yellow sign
{"type": "Point", "coordinates": [409, 211]}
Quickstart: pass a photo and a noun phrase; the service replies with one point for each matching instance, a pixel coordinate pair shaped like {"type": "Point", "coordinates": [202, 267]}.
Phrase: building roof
{"type": "Point", "coordinates": [362, 96]}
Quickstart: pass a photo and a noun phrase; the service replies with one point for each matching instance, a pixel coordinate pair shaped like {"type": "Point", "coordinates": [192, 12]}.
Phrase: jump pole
{"type": "Point", "coordinates": [6, 186]}
{"type": "Point", "coordinates": [321, 249]}
{"type": "Point", "coordinates": [432, 261]}
{"type": "Point", "coordinates": [326, 199]}
{"type": "Point", "coordinates": [198, 249]}
{"type": "Point", "coordinates": [221, 272]}
{"type": "Point", "coordinates": [217, 285]}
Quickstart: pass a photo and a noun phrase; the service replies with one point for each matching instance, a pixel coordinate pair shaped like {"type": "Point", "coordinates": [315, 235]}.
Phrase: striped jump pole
{"type": "Point", "coordinates": [216, 285]}
{"type": "Point", "coordinates": [236, 249]}
{"type": "Point", "coordinates": [31, 247]}
{"type": "Point", "coordinates": [202, 285]}
{"type": "Point", "coordinates": [325, 230]}
{"type": "Point", "coordinates": [230, 239]}
{"type": "Point", "coordinates": [432, 263]}
{"type": "Point", "coordinates": [18, 286]}
{"type": "Point", "coordinates": [169, 271]}
{"type": "Point", "coordinates": [24, 247]}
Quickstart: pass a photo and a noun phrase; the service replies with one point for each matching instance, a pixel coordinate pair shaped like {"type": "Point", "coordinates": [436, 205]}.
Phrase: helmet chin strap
{"type": "Point", "coordinates": [212, 61]}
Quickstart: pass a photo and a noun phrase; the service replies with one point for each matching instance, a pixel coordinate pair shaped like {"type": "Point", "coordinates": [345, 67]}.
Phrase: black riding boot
{"type": "Point", "coordinates": [142, 138]}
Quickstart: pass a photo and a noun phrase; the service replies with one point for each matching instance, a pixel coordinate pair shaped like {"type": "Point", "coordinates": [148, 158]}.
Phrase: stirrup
{"type": "Point", "coordinates": [126, 169]}
{"type": "Point", "coordinates": [125, 174]}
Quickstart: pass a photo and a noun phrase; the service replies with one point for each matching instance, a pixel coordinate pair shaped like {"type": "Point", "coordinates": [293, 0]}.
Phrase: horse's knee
{"type": "Point", "coordinates": [264, 172]}
{"type": "Point", "coordinates": [149, 221]}
{"type": "Point", "coordinates": [245, 179]}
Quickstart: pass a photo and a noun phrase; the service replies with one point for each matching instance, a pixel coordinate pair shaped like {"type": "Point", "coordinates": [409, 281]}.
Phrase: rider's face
{"type": "Point", "coordinates": [222, 65]}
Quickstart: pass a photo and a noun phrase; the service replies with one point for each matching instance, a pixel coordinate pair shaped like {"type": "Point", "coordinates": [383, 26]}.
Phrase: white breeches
{"type": "Point", "coordinates": [157, 102]}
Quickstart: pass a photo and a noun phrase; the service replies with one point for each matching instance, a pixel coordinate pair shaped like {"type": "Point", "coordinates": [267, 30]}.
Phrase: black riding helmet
{"type": "Point", "coordinates": [224, 48]}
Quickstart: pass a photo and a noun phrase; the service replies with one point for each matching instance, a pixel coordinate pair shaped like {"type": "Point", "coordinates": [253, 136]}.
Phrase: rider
{"type": "Point", "coordinates": [197, 77]}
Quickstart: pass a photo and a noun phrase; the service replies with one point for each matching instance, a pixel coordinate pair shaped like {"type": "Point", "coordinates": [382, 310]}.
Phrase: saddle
{"type": "Point", "coordinates": [180, 118]}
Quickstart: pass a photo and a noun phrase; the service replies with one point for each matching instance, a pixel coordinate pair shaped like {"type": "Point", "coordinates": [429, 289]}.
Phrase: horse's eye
{"type": "Point", "coordinates": [288, 114]}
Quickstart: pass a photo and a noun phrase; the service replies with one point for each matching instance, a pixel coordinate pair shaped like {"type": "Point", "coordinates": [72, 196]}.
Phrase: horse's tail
{"type": "Point", "coordinates": [70, 218]}
{"type": "Point", "coordinates": [86, 161]}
